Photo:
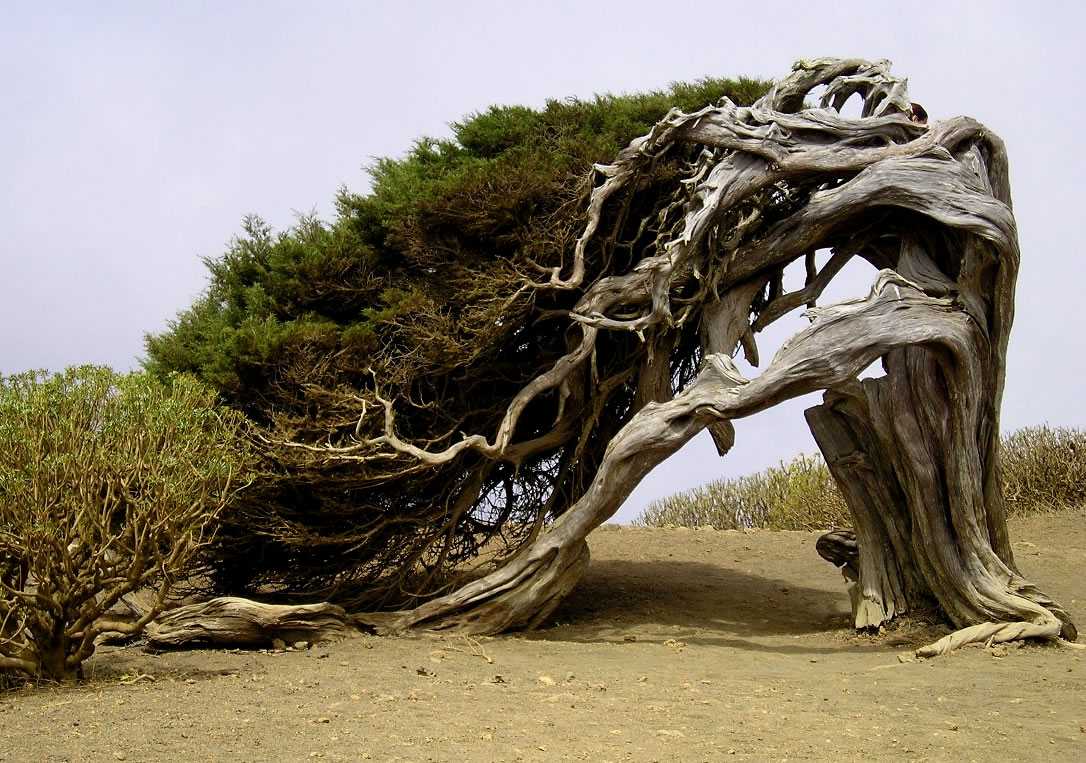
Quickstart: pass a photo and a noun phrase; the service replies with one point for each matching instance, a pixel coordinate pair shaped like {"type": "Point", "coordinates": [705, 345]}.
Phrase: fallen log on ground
{"type": "Point", "coordinates": [235, 621]}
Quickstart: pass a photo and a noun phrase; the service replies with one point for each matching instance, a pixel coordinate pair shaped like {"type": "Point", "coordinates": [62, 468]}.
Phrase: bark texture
{"type": "Point", "coordinates": [235, 621]}
{"type": "Point", "coordinates": [916, 452]}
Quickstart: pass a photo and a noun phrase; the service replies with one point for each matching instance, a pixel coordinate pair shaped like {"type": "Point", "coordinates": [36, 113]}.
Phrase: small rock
{"type": "Point", "coordinates": [279, 645]}
{"type": "Point", "coordinates": [630, 637]}
{"type": "Point", "coordinates": [906, 657]}
{"type": "Point", "coordinates": [119, 756]}
{"type": "Point", "coordinates": [998, 651]}
{"type": "Point", "coordinates": [324, 719]}
{"type": "Point", "coordinates": [301, 644]}
{"type": "Point", "coordinates": [546, 680]}
{"type": "Point", "coordinates": [570, 676]}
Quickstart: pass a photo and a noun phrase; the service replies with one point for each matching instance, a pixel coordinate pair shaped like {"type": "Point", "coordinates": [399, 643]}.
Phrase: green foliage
{"type": "Point", "coordinates": [108, 483]}
{"type": "Point", "coordinates": [432, 221]}
{"type": "Point", "coordinates": [421, 291]}
{"type": "Point", "coordinates": [1044, 469]}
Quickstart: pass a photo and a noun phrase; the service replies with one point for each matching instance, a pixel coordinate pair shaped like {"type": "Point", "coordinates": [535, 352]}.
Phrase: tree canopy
{"type": "Point", "coordinates": [433, 291]}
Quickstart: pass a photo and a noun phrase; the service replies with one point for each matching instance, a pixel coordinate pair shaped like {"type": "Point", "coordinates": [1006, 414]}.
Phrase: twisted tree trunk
{"type": "Point", "coordinates": [916, 453]}
{"type": "Point", "coordinates": [909, 454]}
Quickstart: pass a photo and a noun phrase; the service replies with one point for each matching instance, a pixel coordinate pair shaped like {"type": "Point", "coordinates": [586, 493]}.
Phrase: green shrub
{"type": "Point", "coordinates": [108, 484]}
{"type": "Point", "coordinates": [1043, 469]}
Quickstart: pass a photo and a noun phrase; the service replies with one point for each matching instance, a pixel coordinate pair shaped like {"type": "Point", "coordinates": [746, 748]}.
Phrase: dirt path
{"type": "Point", "coordinates": [680, 645]}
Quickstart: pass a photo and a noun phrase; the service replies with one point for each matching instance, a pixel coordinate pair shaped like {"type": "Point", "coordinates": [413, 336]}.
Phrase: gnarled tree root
{"type": "Point", "coordinates": [998, 633]}
{"type": "Point", "coordinates": [841, 549]}
{"type": "Point", "coordinates": [521, 594]}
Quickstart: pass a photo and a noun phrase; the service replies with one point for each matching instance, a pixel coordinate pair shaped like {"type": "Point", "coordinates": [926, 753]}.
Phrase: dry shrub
{"type": "Point", "coordinates": [1044, 469]}
{"type": "Point", "coordinates": [797, 495]}
{"type": "Point", "coordinates": [108, 484]}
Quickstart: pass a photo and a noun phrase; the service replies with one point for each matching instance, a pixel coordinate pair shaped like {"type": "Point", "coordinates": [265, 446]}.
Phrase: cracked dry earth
{"type": "Point", "coordinates": [680, 645]}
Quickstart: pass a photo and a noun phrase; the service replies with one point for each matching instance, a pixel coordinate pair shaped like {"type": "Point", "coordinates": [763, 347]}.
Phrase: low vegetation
{"type": "Point", "coordinates": [109, 484]}
{"type": "Point", "coordinates": [1044, 468]}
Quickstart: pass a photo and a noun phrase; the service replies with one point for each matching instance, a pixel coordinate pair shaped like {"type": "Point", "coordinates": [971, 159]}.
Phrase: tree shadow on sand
{"type": "Point", "coordinates": [657, 601]}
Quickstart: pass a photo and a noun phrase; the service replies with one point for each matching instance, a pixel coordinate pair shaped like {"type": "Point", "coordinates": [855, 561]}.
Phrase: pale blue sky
{"type": "Point", "coordinates": [135, 136]}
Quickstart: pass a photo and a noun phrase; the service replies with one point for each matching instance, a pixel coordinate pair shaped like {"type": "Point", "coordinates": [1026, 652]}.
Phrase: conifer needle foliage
{"type": "Point", "coordinates": [424, 291]}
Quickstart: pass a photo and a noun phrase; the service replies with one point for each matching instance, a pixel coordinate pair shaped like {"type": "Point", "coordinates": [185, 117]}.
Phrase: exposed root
{"type": "Point", "coordinates": [521, 594]}
{"type": "Point", "coordinates": [998, 633]}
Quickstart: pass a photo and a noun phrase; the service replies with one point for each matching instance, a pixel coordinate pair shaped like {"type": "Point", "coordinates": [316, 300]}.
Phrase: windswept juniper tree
{"type": "Point", "coordinates": [525, 369]}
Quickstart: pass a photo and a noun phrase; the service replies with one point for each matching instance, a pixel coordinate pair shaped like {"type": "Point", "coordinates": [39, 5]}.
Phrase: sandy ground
{"type": "Point", "coordinates": [679, 645]}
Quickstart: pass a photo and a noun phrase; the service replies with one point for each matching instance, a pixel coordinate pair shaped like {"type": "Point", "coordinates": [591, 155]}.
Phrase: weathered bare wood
{"type": "Point", "coordinates": [236, 621]}
{"type": "Point", "coordinates": [915, 453]}
{"type": "Point", "coordinates": [842, 341]}
{"type": "Point", "coordinates": [886, 583]}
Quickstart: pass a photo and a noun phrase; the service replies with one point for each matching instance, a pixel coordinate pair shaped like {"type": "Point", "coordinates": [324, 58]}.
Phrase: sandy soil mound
{"type": "Point", "coordinates": [680, 645]}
